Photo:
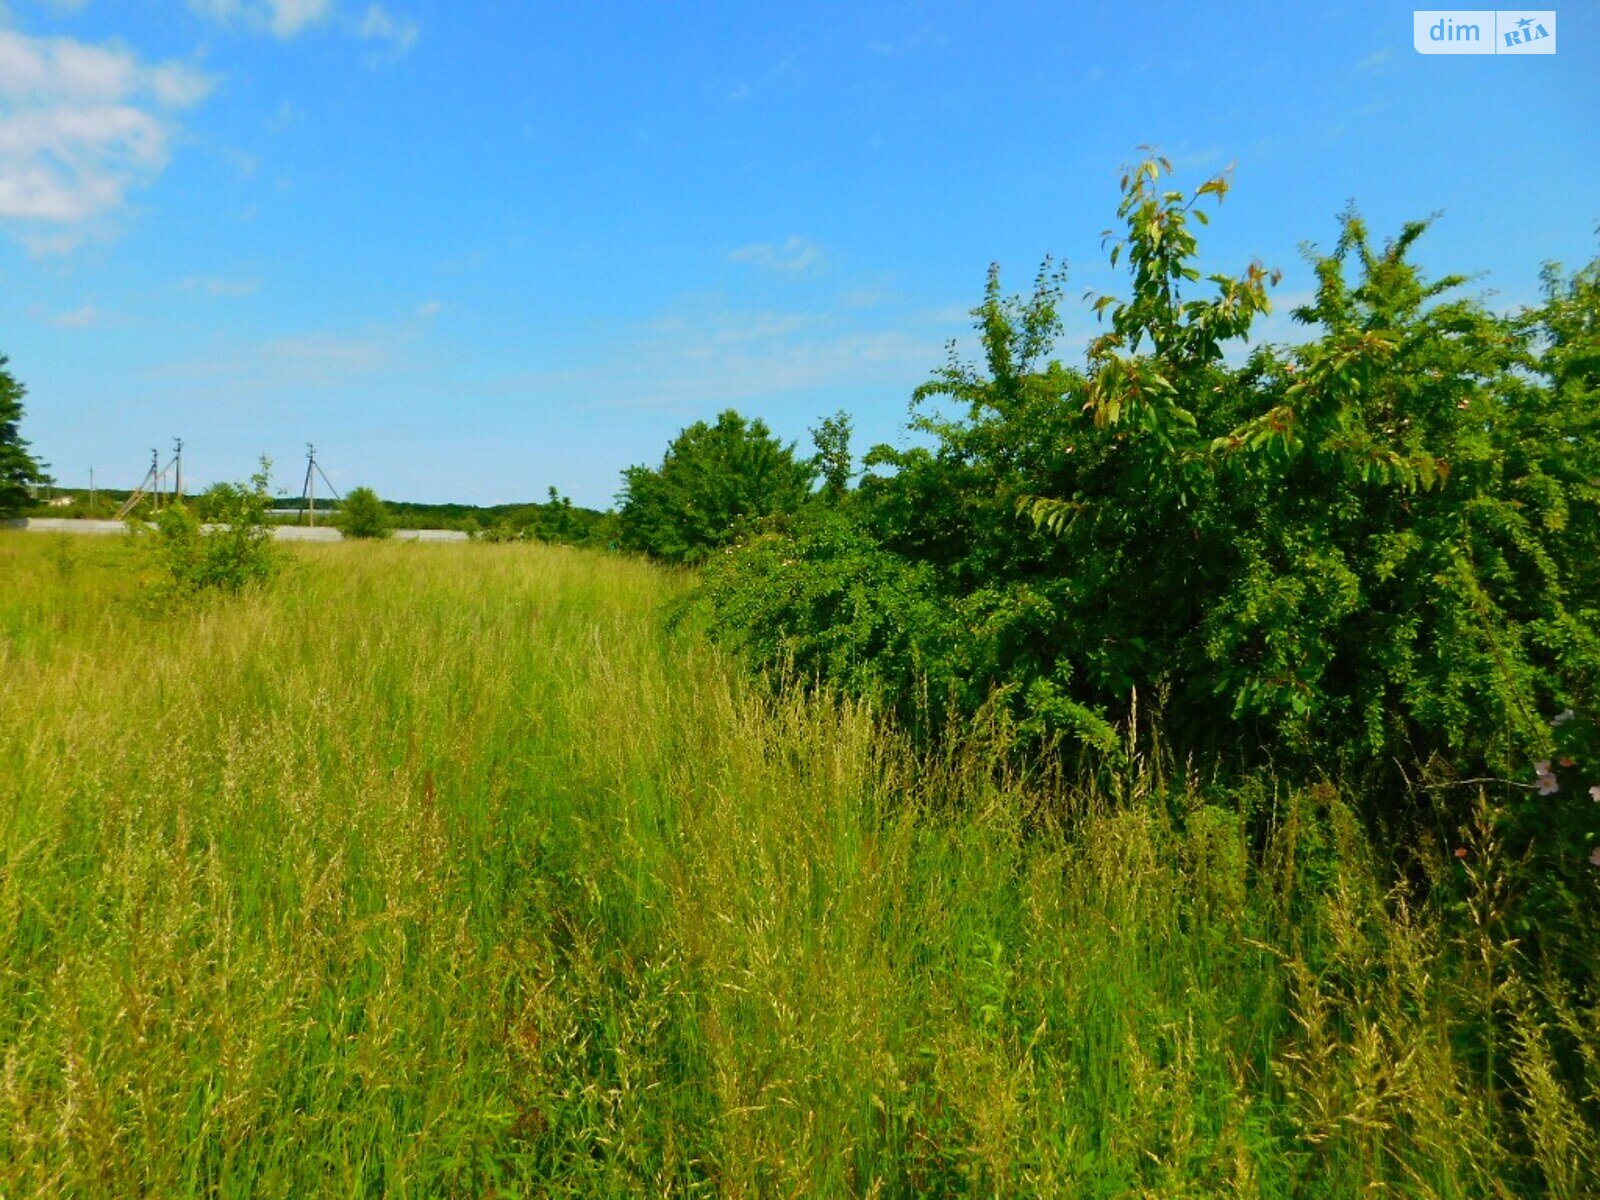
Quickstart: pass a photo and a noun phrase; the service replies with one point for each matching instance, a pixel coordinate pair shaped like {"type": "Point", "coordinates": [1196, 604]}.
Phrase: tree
{"type": "Point", "coordinates": [363, 515]}
{"type": "Point", "coordinates": [833, 457]}
{"type": "Point", "coordinates": [18, 468]}
{"type": "Point", "coordinates": [715, 483]}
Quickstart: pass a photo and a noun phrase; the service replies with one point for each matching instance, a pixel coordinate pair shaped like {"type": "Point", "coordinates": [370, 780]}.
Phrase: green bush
{"type": "Point", "coordinates": [364, 515]}
{"type": "Point", "coordinates": [500, 533]}
{"type": "Point", "coordinates": [715, 484]}
{"type": "Point", "coordinates": [1372, 553]}
{"type": "Point", "coordinates": [232, 550]}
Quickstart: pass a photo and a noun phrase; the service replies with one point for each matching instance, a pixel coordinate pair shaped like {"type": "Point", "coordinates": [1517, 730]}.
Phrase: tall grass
{"type": "Point", "coordinates": [449, 870]}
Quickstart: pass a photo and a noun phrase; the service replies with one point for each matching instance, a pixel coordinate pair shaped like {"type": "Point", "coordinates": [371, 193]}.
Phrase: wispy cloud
{"type": "Point", "coordinates": [51, 245]}
{"type": "Point", "coordinates": [285, 115]}
{"type": "Point", "coordinates": [695, 356]}
{"type": "Point", "coordinates": [391, 36]}
{"type": "Point", "coordinates": [231, 289]}
{"type": "Point", "coordinates": [1376, 59]}
{"type": "Point", "coordinates": [395, 35]}
{"type": "Point", "coordinates": [906, 43]}
{"type": "Point", "coordinates": [78, 318]}
{"type": "Point", "coordinates": [1198, 160]}
{"type": "Point", "coordinates": [80, 125]}
{"type": "Point", "coordinates": [429, 308]}
{"type": "Point", "coordinates": [281, 18]}
{"type": "Point", "coordinates": [793, 256]}
{"type": "Point", "coordinates": [323, 357]}
{"type": "Point", "coordinates": [314, 359]}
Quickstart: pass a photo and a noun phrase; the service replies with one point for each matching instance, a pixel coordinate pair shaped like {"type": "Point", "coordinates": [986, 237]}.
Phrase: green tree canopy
{"type": "Point", "coordinates": [18, 468]}
{"type": "Point", "coordinates": [715, 482]}
{"type": "Point", "coordinates": [364, 515]}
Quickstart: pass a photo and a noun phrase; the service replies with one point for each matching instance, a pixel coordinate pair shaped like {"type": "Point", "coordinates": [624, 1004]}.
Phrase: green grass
{"type": "Point", "coordinates": [451, 870]}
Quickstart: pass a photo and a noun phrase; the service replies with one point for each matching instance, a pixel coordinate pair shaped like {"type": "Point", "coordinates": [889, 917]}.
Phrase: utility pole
{"type": "Point", "coordinates": [177, 478]}
{"type": "Point", "coordinates": [309, 491]}
{"type": "Point", "coordinates": [155, 479]}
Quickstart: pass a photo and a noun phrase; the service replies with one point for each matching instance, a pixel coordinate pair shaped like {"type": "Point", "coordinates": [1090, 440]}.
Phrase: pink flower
{"type": "Point", "coordinates": [1548, 785]}
{"type": "Point", "coordinates": [1594, 856]}
{"type": "Point", "coordinates": [1594, 793]}
{"type": "Point", "coordinates": [1542, 767]}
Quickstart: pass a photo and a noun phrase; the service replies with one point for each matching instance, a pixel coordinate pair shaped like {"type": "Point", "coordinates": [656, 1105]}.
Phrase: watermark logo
{"type": "Point", "coordinates": [1484, 31]}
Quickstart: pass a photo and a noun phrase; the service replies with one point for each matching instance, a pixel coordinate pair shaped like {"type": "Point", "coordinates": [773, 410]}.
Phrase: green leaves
{"type": "Point", "coordinates": [18, 468]}
{"type": "Point", "coordinates": [1379, 546]}
{"type": "Point", "coordinates": [364, 515]}
{"type": "Point", "coordinates": [715, 483]}
{"type": "Point", "coordinates": [231, 552]}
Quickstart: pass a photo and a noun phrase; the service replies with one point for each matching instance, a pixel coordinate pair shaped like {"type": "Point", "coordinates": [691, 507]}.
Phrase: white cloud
{"type": "Point", "coordinates": [398, 34]}
{"type": "Point", "coordinates": [393, 36]}
{"type": "Point", "coordinates": [79, 125]}
{"type": "Point", "coordinates": [907, 43]}
{"type": "Point", "coordinates": [695, 356]}
{"type": "Point", "coordinates": [315, 360]}
{"type": "Point", "coordinates": [794, 256]}
{"type": "Point", "coordinates": [323, 357]}
{"type": "Point", "coordinates": [78, 318]}
{"type": "Point", "coordinates": [429, 308]}
{"type": "Point", "coordinates": [48, 245]}
{"type": "Point", "coordinates": [285, 116]}
{"type": "Point", "coordinates": [231, 289]}
{"type": "Point", "coordinates": [281, 18]}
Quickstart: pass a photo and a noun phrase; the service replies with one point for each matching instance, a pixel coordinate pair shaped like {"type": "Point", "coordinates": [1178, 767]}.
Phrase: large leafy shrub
{"type": "Point", "coordinates": [364, 515]}
{"type": "Point", "coordinates": [715, 483]}
{"type": "Point", "coordinates": [1375, 552]}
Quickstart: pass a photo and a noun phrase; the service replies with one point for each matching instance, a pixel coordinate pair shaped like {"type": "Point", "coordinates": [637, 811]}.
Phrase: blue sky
{"type": "Point", "coordinates": [474, 250]}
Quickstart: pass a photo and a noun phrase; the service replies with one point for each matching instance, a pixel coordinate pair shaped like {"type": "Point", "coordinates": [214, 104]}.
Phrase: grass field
{"type": "Point", "coordinates": [456, 870]}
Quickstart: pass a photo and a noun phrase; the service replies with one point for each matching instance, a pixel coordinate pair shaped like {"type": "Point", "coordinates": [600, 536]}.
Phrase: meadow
{"type": "Point", "coordinates": [465, 871]}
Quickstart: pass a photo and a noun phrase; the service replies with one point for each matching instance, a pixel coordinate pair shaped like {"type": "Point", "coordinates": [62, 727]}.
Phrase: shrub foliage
{"type": "Point", "coordinates": [364, 515]}
{"type": "Point", "coordinates": [1378, 546]}
{"type": "Point", "coordinates": [232, 550]}
{"type": "Point", "coordinates": [715, 483]}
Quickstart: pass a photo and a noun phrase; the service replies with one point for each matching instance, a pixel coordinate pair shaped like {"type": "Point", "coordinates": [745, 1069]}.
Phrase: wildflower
{"type": "Point", "coordinates": [1542, 767]}
{"type": "Point", "coordinates": [1567, 762]}
{"type": "Point", "coordinates": [1461, 851]}
{"type": "Point", "coordinates": [1563, 717]}
{"type": "Point", "coordinates": [1548, 785]}
{"type": "Point", "coordinates": [1594, 793]}
{"type": "Point", "coordinates": [1594, 856]}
